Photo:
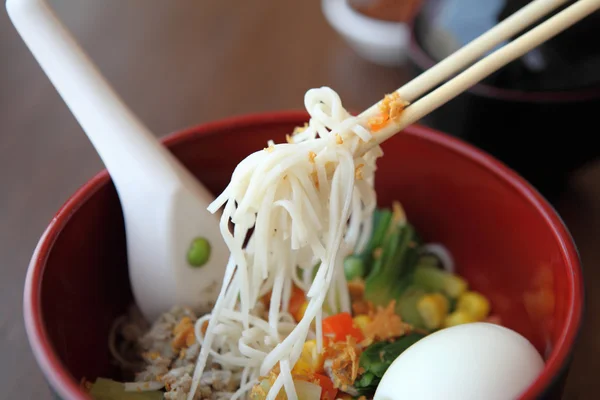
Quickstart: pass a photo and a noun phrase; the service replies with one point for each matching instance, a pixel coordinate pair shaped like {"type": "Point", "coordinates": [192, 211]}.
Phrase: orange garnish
{"type": "Point", "coordinates": [184, 334]}
{"type": "Point", "coordinates": [385, 324]}
{"type": "Point", "coordinates": [391, 107]}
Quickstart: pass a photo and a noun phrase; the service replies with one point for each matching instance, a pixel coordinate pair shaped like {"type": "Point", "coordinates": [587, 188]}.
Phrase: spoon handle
{"type": "Point", "coordinates": [128, 149]}
{"type": "Point", "coordinates": [164, 206]}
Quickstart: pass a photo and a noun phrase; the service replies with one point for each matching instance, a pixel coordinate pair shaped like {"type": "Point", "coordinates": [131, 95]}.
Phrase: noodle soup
{"type": "Point", "coordinates": [322, 291]}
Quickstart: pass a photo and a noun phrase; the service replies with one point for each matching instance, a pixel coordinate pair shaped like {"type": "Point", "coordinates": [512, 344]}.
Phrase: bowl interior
{"type": "Point", "coordinates": [504, 241]}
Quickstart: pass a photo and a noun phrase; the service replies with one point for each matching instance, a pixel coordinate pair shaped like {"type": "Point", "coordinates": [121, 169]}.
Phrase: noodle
{"type": "Point", "coordinates": [309, 203]}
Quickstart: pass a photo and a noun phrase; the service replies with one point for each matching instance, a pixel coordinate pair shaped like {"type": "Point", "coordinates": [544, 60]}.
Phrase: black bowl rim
{"type": "Point", "coordinates": [419, 56]}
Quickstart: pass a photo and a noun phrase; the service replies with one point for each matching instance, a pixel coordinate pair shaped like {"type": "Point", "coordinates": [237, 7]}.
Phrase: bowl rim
{"type": "Point", "coordinates": [423, 60]}
{"type": "Point", "coordinates": [69, 389]}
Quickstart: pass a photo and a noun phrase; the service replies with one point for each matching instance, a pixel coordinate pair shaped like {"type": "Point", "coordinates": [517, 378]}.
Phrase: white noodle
{"type": "Point", "coordinates": [309, 202]}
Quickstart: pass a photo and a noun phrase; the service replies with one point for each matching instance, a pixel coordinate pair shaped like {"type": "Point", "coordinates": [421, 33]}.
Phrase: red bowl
{"type": "Point", "coordinates": [506, 239]}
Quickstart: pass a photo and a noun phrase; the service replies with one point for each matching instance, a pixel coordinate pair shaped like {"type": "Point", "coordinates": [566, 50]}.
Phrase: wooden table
{"type": "Point", "coordinates": [178, 64]}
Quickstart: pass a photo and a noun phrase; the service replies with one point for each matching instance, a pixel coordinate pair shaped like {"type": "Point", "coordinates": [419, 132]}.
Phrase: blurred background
{"type": "Point", "coordinates": [178, 64]}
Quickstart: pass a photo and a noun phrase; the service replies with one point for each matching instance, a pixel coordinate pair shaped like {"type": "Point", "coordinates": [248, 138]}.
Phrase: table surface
{"type": "Point", "coordinates": [179, 64]}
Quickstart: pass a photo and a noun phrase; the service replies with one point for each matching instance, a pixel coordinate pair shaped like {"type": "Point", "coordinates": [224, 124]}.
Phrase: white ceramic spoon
{"type": "Point", "coordinates": [164, 206]}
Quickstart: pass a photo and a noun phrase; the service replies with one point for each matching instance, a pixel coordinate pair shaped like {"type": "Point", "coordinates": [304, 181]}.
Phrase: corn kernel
{"type": "Point", "coordinates": [456, 286]}
{"type": "Point", "coordinates": [310, 361]}
{"type": "Point", "coordinates": [458, 317]}
{"type": "Point", "coordinates": [361, 322]}
{"type": "Point", "coordinates": [433, 309]}
{"type": "Point", "coordinates": [300, 313]}
{"type": "Point", "coordinates": [475, 304]}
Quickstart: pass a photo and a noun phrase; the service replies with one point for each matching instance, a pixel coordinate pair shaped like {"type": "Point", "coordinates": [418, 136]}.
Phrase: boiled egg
{"type": "Point", "coordinates": [465, 362]}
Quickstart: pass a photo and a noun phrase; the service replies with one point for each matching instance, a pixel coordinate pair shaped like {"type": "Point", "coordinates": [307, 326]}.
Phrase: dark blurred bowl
{"type": "Point", "coordinates": [506, 240]}
{"type": "Point", "coordinates": [538, 113]}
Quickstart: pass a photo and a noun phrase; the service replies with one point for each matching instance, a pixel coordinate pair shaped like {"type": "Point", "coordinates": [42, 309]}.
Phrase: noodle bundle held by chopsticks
{"type": "Point", "coordinates": [308, 204]}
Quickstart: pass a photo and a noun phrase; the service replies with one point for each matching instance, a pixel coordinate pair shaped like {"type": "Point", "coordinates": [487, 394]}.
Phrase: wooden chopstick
{"type": "Point", "coordinates": [486, 66]}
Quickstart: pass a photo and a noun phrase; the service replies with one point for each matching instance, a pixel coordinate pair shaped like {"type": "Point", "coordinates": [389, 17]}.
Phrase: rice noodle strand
{"type": "Point", "coordinates": [309, 204]}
